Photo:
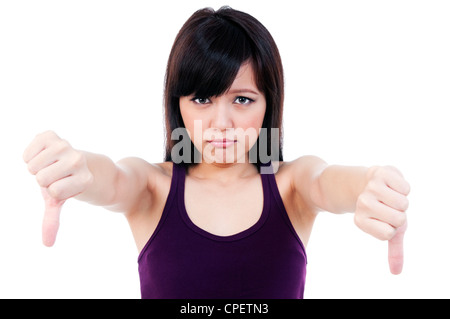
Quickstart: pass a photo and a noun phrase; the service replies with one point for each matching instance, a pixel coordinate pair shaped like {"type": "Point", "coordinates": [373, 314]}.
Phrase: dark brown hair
{"type": "Point", "coordinates": [205, 59]}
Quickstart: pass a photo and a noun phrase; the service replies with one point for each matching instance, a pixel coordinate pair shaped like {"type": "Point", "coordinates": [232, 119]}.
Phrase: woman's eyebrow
{"type": "Point", "coordinates": [242, 91]}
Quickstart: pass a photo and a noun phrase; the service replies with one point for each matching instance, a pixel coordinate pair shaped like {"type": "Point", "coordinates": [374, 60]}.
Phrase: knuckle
{"type": "Point", "coordinates": [374, 172]}
{"type": "Point", "coordinates": [31, 168]}
{"type": "Point", "coordinates": [26, 156]}
{"type": "Point", "coordinates": [55, 192]}
{"type": "Point", "coordinates": [62, 145]}
{"type": "Point", "coordinates": [373, 186]}
{"type": "Point", "coordinates": [407, 188]}
{"type": "Point", "coordinates": [359, 221]}
{"type": "Point", "coordinates": [363, 201]}
{"type": "Point", "coordinates": [380, 172]}
{"type": "Point", "coordinates": [47, 135]}
{"type": "Point", "coordinates": [396, 219]}
{"type": "Point", "coordinates": [77, 160]}
{"type": "Point", "coordinates": [392, 169]}
{"type": "Point", "coordinates": [404, 204]}
{"type": "Point", "coordinates": [401, 219]}
{"type": "Point", "coordinates": [42, 180]}
{"type": "Point", "coordinates": [388, 233]}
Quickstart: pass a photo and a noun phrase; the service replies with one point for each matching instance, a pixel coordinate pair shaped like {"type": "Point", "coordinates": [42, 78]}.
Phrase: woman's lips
{"type": "Point", "coordinates": [223, 143]}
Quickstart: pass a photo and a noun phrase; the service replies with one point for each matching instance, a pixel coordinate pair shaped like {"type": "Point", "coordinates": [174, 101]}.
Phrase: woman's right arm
{"type": "Point", "coordinates": [64, 172]}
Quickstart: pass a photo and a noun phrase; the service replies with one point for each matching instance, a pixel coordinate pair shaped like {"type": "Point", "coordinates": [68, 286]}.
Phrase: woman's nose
{"type": "Point", "coordinates": [222, 118]}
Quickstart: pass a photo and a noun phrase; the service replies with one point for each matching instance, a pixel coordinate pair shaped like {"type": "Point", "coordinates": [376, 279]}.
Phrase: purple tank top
{"type": "Point", "coordinates": [183, 261]}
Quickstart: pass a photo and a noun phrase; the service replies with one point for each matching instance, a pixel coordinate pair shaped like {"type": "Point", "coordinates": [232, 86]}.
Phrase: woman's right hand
{"type": "Point", "coordinates": [61, 171]}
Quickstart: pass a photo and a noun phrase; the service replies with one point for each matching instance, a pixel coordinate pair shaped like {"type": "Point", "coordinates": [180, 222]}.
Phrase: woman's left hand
{"type": "Point", "coordinates": [380, 210]}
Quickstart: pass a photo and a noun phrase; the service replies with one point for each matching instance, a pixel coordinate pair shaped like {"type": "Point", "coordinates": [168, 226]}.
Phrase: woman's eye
{"type": "Point", "coordinates": [201, 100]}
{"type": "Point", "coordinates": [243, 100]}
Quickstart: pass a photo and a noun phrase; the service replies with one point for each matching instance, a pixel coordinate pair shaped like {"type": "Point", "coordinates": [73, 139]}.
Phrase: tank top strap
{"type": "Point", "coordinates": [179, 172]}
{"type": "Point", "coordinates": [269, 182]}
{"type": "Point", "coordinates": [178, 175]}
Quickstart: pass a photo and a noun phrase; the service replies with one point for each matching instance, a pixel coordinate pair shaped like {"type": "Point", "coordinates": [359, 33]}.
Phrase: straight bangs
{"type": "Point", "coordinates": [211, 59]}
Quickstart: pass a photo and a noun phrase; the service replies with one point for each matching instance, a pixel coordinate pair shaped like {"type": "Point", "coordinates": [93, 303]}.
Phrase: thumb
{"type": "Point", "coordinates": [395, 251]}
{"type": "Point", "coordinates": [50, 223]}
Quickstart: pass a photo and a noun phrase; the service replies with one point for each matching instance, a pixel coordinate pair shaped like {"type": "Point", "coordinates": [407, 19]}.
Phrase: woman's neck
{"type": "Point", "coordinates": [223, 172]}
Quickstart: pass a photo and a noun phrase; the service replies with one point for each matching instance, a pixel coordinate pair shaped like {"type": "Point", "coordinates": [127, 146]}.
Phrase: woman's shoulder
{"type": "Point", "coordinates": [141, 166]}
{"type": "Point", "coordinates": [164, 168]}
{"type": "Point", "coordinates": [155, 174]}
{"type": "Point", "coordinates": [160, 175]}
{"type": "Point", "coordinates": [299, 174]}
{"type": "Point", "coordinates": [302, 165]}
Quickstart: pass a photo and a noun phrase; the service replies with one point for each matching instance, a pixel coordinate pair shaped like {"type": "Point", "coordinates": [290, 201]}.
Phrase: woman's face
{"type": "Point", "coordinates": [224, 128]}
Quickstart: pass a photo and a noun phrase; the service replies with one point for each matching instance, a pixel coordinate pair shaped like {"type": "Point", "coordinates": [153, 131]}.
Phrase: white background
{"type": "Point", "coordinates": [367, 83]}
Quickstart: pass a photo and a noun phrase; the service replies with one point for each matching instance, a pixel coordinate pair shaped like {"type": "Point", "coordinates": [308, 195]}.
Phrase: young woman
{"type": "Point", "coordinates": [224, 216]}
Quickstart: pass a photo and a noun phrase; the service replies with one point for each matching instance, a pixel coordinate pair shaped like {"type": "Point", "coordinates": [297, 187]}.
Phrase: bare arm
{"type": "Point", "coordinates": [117, 186]}
{"type": "Point", "coordinates": [337, 188]}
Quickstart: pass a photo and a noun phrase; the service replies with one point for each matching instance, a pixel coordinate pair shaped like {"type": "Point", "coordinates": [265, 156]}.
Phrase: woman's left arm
{"type": "Point", "coordinates": [377, 196]}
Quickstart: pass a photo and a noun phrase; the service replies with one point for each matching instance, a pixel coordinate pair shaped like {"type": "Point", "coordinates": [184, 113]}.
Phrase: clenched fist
{"type": "Point", "coordinates": [380, 210]}
{"type": "Point", "coordinates": [61, 171]}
